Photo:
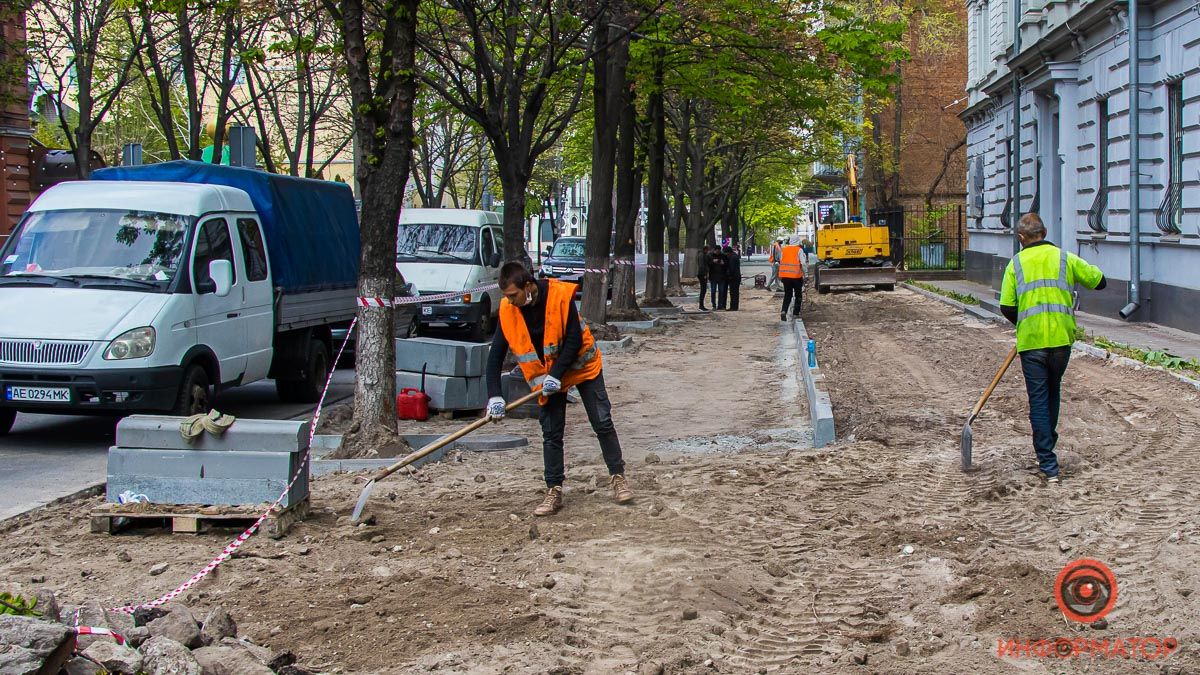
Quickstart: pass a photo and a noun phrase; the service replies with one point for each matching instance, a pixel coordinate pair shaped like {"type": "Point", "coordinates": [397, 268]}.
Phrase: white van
{"type": "Point", "coordinates": [449, 251]}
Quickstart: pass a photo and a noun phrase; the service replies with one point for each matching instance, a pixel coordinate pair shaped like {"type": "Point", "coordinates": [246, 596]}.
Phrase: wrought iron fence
{"type": "Point", "coordinates": [925, 238]}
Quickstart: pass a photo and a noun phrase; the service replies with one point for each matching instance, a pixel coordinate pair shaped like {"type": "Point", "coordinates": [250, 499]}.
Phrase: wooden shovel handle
{"type": "Point", "coordinates": [446, 440]}
{"type": "Point", "coordinates": [1012, 354]}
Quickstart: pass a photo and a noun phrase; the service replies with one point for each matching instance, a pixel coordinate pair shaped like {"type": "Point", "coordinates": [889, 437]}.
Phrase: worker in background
{"type": "Point", "coordinates": [1037, 296]}
{"type": "Point", "coordinates": [702, 276]}
{"type": "Point", "coordinates": [773, 258]}
{"type": "Point", "coordinates": [791, 273]}
{"type": "Point", "coordinates": [716, 277]}
{"type": "Point", "coordinates": [555, 351]}
{"type": "Point", "coordinates": [733, 276]}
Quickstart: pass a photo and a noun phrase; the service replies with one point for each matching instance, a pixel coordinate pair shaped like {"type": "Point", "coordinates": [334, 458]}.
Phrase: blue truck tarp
{"type": "Point", "coordinates": [311, 226]}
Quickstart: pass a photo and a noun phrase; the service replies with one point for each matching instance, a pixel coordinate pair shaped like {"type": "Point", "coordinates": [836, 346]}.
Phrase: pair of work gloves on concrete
{"type": "Point", "coordinates": [496, 404]}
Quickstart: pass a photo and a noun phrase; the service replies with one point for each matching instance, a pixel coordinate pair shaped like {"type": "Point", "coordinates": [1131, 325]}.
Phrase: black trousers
{"type": "Point", "coordinates": [1043, 370]}
{"type": "Point", "coordinates": [703, 290]}
{"type": "Point", "coordinates": [599, 412]}
{"type": "Point", "coordinates": [722, 294]}
{"type": "Point", "coordinates": [792, 287]}
{"type": "Point", "coordinates": [735, 289]}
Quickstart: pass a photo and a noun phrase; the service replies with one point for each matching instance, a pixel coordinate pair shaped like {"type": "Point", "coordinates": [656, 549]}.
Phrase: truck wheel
{"type": "Point", "coordinates": [7, 417]}
{"type": "Point", "coordinates": [316, 369]}
{"type": "Point", "coordinates": [193, 392]}
{"type": "Point", "coordinates": [414, 328]}
{"type": "Point", "coordinates": [481, 330]}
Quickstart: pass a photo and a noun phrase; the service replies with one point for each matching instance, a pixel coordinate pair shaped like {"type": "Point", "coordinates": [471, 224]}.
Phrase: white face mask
{"type": "Point", "coordinates": [528, 299]}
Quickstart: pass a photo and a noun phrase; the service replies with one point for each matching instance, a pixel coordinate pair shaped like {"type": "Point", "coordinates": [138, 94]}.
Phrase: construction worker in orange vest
{"type": "Point", "coordinates": [791, 273]}
{"type": "Point", "coordinates": [555, 351]}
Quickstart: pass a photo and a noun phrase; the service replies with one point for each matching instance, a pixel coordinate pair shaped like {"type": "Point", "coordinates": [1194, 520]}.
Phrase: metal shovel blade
{"type": "Point", "coordinates": [966, 446]}
{"type": "Point", "coordinates": [362, 501]}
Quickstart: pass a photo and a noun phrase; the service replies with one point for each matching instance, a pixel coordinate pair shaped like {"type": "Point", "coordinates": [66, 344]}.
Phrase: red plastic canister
{"type": "Point", "coordinates": [412, 404]}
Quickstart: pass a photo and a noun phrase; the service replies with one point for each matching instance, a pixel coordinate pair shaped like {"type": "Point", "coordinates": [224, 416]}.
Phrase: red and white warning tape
{"type": "Point", "coordinates": [234, 545]}
{"type": "Point", "coordinates": [96, 630]}
{"type": "Point", "coordinates": [416, 299]}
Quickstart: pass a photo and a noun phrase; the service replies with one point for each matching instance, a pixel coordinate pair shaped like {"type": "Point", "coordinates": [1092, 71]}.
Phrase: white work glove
{"type": "Point", "coordinates": [495, 408]}
{"type": "Point", "coordinates": [551, 385]}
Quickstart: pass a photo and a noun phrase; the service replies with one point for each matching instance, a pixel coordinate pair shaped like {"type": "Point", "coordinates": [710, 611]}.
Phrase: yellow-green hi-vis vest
{"type": "Point", "coordinates": [1038, 280]}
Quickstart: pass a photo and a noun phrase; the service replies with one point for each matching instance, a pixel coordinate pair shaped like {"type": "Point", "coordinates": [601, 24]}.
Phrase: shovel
{"type": "Point", "coordinates": [418, 454]}
{"type": "Point", "coordinates": [966, 432]}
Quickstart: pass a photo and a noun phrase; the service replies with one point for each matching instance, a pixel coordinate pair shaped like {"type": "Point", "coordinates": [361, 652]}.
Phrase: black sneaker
{"type": "Point", "coordinates": [783, 316]}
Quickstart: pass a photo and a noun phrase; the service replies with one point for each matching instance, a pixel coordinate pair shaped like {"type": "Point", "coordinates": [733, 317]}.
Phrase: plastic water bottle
{"type": "Point", "coordinates": [812, 354]}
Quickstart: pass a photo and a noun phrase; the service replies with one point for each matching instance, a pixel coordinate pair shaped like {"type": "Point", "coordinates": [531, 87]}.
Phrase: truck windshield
{"type": "Point", "coordinates": [98, 246]}
{"type": "Point", "coordinates": [567, 249]}
{"type": "Point", "coordinates": [424, 241]}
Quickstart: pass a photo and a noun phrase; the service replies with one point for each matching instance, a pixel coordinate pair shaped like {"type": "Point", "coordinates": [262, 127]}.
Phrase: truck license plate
{"type": "Point", "coordinates": [49, 394]}
{"type": "Point", "coordinates": [427, 310]}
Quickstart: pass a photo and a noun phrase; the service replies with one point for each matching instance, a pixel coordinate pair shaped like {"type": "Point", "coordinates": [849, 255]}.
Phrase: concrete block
{"type": "Point", "coordinates": [1091, 350]}
{"type": "Point", "coordinates": [450, 358]}
{"type": "Point", "coordinates": [447, 393]}
{"type": "Point", "coordinates": [820, 408]}
{"type": "Point", "coordinates": [492, 442]}
{"type": "Point", "coordinates": [322, 467]}
{"type": "Point", "coordinates": [635, 326]}
{"type": "Point", "coordinates": [661, 311]}
{"type": "Point", "coordinates": [614, 346]}
{"type": "Point", "coordinates": [204, 476]}
{"type": "Point", "coordinates": [162, 432]}
{"type": "Point", "coordinates": [513, 386]}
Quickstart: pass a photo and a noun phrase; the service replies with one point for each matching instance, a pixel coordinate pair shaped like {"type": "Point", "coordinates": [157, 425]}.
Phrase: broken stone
{"type": "Point", "coordinates": [549, 583]}
{"type": "Point", "coordinates": [651, 668]}
{"type": "Point", "coordinates": [534, 533]}
{"type": "Point", "coordinates": [690, 614]}
{"type": "Point", "coordinates": [144, 615]}
{"type": "Point", "coordinates": [26, 641]}
{"type": "Point", "coordinates": [178, 625]}
{"type": "Point", "coordinates": [114, 657]}
{"type": "Point", "coordinates": [1064, 546]}
{"type": "Point", "coordinates": [136, 636]}
{"type": "Point", "coordinates": [260, 654]}
{"type": "Point", "coordinates": [480, 478]}
{"type": "Point", "coordinates": [1100, 624]}
{"type": "Point", "coordinates": [124, 556]}
{"type": "Point", "coordinates": [164, 656]}
{"type": "Point", "coordinates": [158, 569]}
{"type": "Point", "coordinates": [860, 658]}
{"type": "Point", "coordinates": [903, 648]}
{"type": "Point", "coordinates": [907, 549]}
{"type": "Point", "coordinates": [37, 579]}
{"type": "Point", "coordinates": [381, 572]}
{"type": "Point", "coordinates": [775, 569]}
{"type": "Point", "coordinates": [514, 517]}
{"type": "Point", "coordinates": [652, 458]}
{"type": "Point", "coordinates": [559, 555]}
{"type": "Point", "coordinates": [434, 530]}
{"type": "Point", "coordinates": [78, 666]}
{"type": "Point", "coordinates": [452, 554]}
{"type": "Point", "coordinates": [223, 660]}
{"type": "Point", "coordinates": [378, 539]}
{"type": "Point", "coordinates": [1185, 592]}
{"type": "Point", "coordinates": [218, 624]}
{"type": "Point", "coordinates": [47, 604]}
{"type": "Point", "coordinates": [656, 508]}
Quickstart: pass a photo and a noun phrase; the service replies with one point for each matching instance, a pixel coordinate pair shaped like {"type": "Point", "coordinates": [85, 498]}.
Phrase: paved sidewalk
{"type": "Point", "coordinates": [1149, 336]}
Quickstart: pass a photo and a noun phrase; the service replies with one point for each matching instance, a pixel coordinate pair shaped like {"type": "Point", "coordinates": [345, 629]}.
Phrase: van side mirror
{"type": "Point", "coordinates": [220, 272]}
{"type": "Point", "coordinates": [494, 260]}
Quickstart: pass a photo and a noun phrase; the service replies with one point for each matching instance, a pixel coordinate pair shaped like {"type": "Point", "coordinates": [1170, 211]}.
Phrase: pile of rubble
{"type": "Point", "coordinates": [158, 641]}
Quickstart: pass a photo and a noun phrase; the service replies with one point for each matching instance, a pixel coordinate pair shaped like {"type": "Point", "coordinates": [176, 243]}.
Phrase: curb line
{"type": "Point", "coordinates": [820, 409]}
{"type": "Point", "coordinates": [1079, 347]}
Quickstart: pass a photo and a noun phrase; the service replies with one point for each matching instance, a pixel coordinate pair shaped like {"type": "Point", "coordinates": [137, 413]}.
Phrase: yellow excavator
{"type": "Point", "coordinates": [849, 251]}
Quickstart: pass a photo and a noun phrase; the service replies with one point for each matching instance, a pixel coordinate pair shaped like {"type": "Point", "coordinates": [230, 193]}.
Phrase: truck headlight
{"type": "Point", "coordinates": [545, 269]}
{"type": "Point", "coordinates": [135, 344]}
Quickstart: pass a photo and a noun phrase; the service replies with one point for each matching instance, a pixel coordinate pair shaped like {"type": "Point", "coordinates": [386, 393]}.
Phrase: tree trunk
{"type": "Point", "coordinates": [674, 285]}
{"type": "Point", "coordinates": [624, 295]}
{"type": "Point", "coordinates": [655, 223]}
{"type": "Point", "coordinates": [514, 184]}
{"type": "Point", "coordinates": [385, 125]}
{"type": "Point", "coordinates": [609, 67]}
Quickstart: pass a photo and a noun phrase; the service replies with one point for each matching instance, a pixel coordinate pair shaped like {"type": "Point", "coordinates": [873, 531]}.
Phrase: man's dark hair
{"type": "Point", "coordinates": [515, 273]}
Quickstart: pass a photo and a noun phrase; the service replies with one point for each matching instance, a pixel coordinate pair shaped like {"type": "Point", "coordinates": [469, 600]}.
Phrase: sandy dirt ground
{"type": "Point", "coordinates": [746, 551]}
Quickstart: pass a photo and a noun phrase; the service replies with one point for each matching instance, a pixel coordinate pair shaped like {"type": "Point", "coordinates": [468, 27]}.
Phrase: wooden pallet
{"type": "Point", "coordinates": [195, 518]}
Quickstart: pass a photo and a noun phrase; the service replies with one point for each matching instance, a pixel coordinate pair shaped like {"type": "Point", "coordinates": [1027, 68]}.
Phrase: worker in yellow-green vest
{"type": "Point", "coordinates": [1037, 296]}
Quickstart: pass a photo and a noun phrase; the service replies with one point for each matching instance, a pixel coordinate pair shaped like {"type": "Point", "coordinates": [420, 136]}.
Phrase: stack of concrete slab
{"type": "Point", "coordinates": [453, 371]}
{"type": "Point", "coordinates": [250, 463]}
{"type": "Point", "coordinates": [514, 386]}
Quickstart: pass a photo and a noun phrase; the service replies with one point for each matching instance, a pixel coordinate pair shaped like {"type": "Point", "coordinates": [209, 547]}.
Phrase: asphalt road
{"type": "Point", "coordinates": [46, 457]}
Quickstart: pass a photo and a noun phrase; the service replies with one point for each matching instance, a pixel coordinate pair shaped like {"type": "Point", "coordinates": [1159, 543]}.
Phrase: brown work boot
{"type": "Point", "coordinates": [551, 504]}
{"type": "Point", "coordinates": [621, 492]}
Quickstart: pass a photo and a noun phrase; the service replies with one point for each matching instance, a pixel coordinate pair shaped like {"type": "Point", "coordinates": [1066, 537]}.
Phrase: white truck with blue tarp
{"type": "Point", "coordinates": [150, 288]}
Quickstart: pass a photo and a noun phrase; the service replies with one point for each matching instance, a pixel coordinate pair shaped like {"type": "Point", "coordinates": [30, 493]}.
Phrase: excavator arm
{"type": "Point", "coordinates": [852, 193]}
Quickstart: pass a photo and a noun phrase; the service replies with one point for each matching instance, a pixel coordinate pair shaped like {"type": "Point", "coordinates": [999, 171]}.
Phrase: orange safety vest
{"type": "Point", "coordinates": [790, 266]}
{"type": "Point", "coordinates": [774, 254]}
{"type": "Point", "coordinates": [559, 297]}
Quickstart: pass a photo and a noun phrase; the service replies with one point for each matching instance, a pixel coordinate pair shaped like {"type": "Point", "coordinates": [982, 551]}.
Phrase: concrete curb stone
{"type": "Point", "coordinates": [820, 408]}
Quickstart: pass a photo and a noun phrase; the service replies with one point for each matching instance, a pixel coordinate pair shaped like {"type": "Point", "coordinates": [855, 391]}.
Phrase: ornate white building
{"type": "Point", "coordinates": [1071, 60]}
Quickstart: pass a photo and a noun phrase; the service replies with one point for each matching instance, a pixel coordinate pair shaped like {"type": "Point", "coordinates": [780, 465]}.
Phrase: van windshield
{"type": "Point", "coordinates": [98, 247]}
{"type": "Point", "coordinates": [426, 241]}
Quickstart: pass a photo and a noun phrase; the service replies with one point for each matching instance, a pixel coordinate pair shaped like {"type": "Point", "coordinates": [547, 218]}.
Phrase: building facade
{"type": "Point", "coordinates": [15, 158]}
{"type": "Point", "coordinates": [1074, 147]}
